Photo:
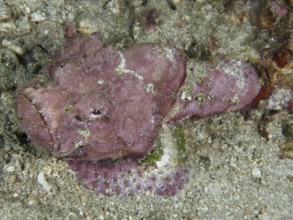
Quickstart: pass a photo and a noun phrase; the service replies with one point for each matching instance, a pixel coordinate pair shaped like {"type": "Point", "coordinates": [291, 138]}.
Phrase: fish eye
{"type": "Point", "coordinates": [61, 65]}
{"type": "Point", "coordinates": [97, 112]}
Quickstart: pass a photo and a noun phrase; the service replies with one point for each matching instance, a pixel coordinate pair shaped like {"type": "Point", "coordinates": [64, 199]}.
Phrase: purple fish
{"type": "Point", "coordinates": [106, 112]}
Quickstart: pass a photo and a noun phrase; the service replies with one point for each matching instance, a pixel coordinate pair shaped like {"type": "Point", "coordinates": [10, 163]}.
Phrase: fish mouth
{"type": "Point", "coordinates": [33, 122]}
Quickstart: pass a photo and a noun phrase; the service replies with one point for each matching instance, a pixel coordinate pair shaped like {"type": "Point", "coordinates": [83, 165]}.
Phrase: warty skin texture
{"type": "Point", "coordinates": [97, 108]}
{"type": "Point", "coordinates": [102, 110]}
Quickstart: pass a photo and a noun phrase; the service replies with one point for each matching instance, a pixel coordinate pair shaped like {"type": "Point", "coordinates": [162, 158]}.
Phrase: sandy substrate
{"type": "Point", "coordinates": [237, 171]}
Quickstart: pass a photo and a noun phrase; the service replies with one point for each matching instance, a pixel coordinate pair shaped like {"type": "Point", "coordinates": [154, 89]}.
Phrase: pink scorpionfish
{"type": "Point", "coordinates": [106, 111]}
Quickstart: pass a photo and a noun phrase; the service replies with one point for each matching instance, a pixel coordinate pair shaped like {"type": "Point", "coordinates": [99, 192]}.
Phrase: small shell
{"type": "Point", "coordinates": [6, 27]}
{"type": "Point", "coordinates": [13, 47]}
{"type": "Point", "coordinates": [5, 13]}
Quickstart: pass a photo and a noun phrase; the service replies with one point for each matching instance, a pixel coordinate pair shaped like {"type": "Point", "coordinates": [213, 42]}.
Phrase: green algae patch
{"type": "Point", "coordinates": [45, 78]}
{"type": "Point", "coordinates": [180, 141]}
{"type": "Point", "coordinates": [84, 132]}
{"type": "Point", "coordinates": [68, 108]}
{"type": "Point", "coordinates": [173, 143]}
{"type": "Point", "coordinates": [153, 156]}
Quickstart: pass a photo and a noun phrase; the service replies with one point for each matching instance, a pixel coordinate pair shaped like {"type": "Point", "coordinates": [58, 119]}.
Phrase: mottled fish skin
{"type": "Point", "coordinates": [102, 110]}
{"type": "Point", "coordinates": [230, 86]}
{"type": "Point", "coordinates": [130, 178]}
{"type": "Point", "coordinates": [102, 103]}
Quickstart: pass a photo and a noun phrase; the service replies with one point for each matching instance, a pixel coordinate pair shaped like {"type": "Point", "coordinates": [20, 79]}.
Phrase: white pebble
{"type": "Point", "coordinates": [256, 173]}
{"type": "Point", "coordinates": [37, 17]}
{"type": "Point", "coordinates": [43, 182]}
{"type": "Point", "coordinates": [10, 169]}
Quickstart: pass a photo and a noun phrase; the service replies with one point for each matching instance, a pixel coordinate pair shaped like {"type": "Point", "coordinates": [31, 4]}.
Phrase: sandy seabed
{"type": "Point", "coordinates": [237, 172]}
